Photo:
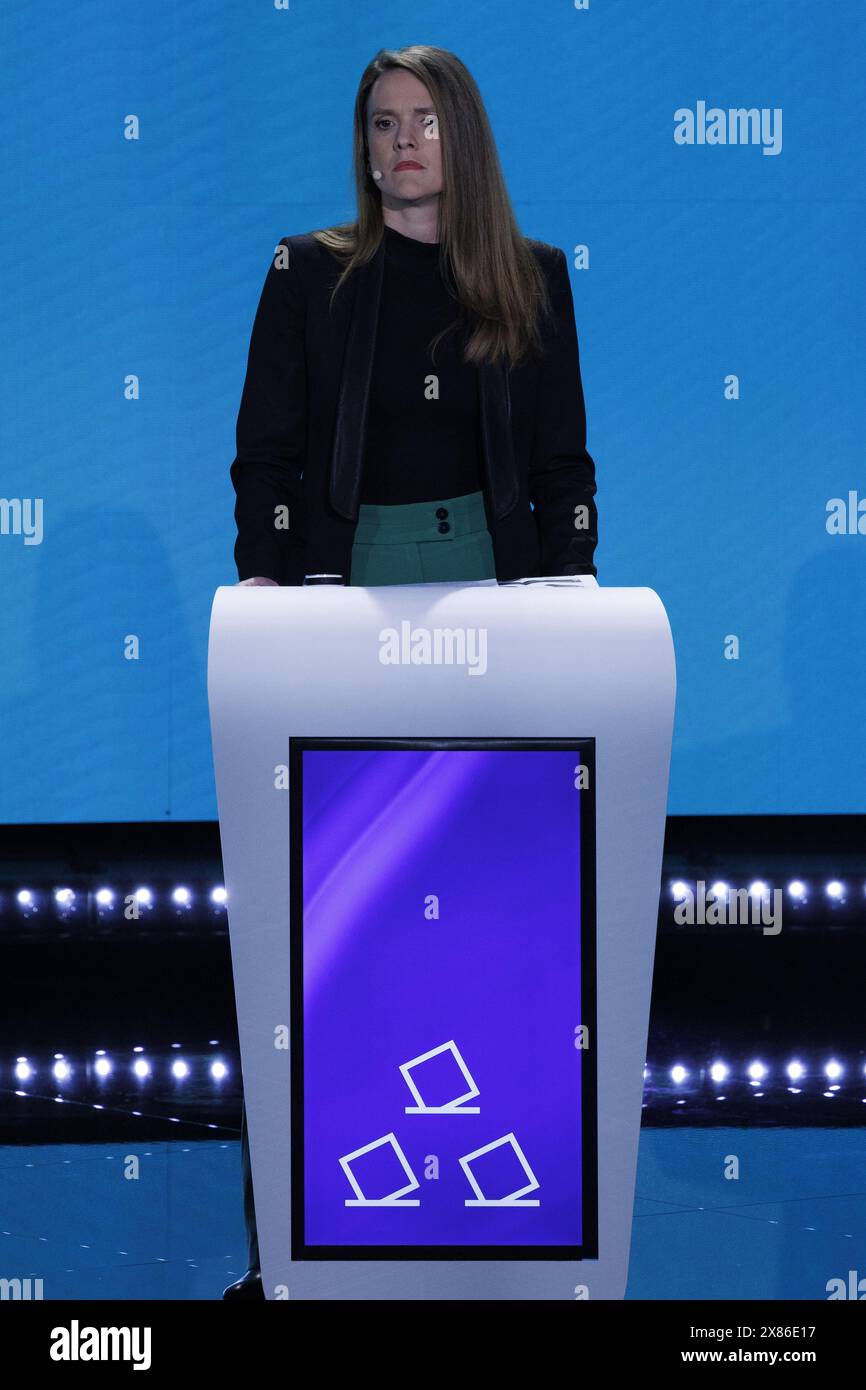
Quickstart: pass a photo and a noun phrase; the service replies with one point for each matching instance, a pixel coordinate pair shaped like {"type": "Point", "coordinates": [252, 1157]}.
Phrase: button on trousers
{"type": "Point", "coordinates": [423, 542]}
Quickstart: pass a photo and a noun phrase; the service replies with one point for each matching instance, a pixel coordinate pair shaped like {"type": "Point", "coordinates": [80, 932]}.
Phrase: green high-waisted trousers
{"type": "Point", "coordinates": [423, 542]}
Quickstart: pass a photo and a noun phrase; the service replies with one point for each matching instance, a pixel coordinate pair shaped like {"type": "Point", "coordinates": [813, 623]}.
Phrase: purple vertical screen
{"type": "Point", "coordinates": [441, 911]}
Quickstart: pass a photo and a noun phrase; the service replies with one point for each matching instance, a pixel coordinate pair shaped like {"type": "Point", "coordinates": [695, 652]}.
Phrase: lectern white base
{"type": "Point", "coordinates": [400, 893]}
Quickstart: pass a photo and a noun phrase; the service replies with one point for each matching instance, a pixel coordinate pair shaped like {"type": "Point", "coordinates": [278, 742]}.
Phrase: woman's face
{"type": "Point", "coordinates": [403, 140]}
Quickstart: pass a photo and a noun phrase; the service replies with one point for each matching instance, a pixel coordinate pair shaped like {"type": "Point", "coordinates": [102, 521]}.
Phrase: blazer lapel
{"type": "Point", "coordinates": [347, 456]}
{"type": "Point", "coordinates": [500, 466]}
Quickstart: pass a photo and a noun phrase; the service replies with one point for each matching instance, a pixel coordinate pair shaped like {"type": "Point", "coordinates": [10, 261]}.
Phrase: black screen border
{"type": "Point", "coordinates": [588, 1008]}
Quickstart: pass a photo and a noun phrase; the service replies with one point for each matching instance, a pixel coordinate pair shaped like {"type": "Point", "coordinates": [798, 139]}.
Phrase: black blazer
{"type": "Point", "coordinates": [302, 417]}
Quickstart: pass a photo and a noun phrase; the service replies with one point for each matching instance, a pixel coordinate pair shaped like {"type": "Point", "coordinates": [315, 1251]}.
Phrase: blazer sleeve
{"type": "Point", "coordinates": [271, 432]}
{"type": "Point", "coordinates": [561, 472]}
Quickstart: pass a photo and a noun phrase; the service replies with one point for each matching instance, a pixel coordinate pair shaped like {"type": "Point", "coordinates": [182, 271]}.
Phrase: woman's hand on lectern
{"type": "Point", "coordinates": [259, 579]}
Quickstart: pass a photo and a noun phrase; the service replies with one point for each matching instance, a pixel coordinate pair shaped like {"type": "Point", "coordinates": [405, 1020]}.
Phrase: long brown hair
{"type": "Point", "coordinates": [494, 275]}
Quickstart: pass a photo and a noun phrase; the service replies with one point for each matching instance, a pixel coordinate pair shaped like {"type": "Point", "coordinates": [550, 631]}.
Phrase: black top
{"type": "Point", "coordinates": [285, 436]}
{"type": "Point", "coordinates": [423, 438]}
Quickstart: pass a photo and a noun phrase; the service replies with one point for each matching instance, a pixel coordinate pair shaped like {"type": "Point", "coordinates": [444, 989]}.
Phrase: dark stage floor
{"type": "Point", "coordinates": [793, 1220]}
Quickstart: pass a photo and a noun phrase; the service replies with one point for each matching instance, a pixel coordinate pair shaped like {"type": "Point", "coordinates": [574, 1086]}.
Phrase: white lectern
{"type": "Point", "coordinates": [442, 814]}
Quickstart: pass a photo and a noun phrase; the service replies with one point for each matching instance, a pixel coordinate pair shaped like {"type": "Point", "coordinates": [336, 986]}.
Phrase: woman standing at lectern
{"type": "Point", "coordinates": [413, 409]}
